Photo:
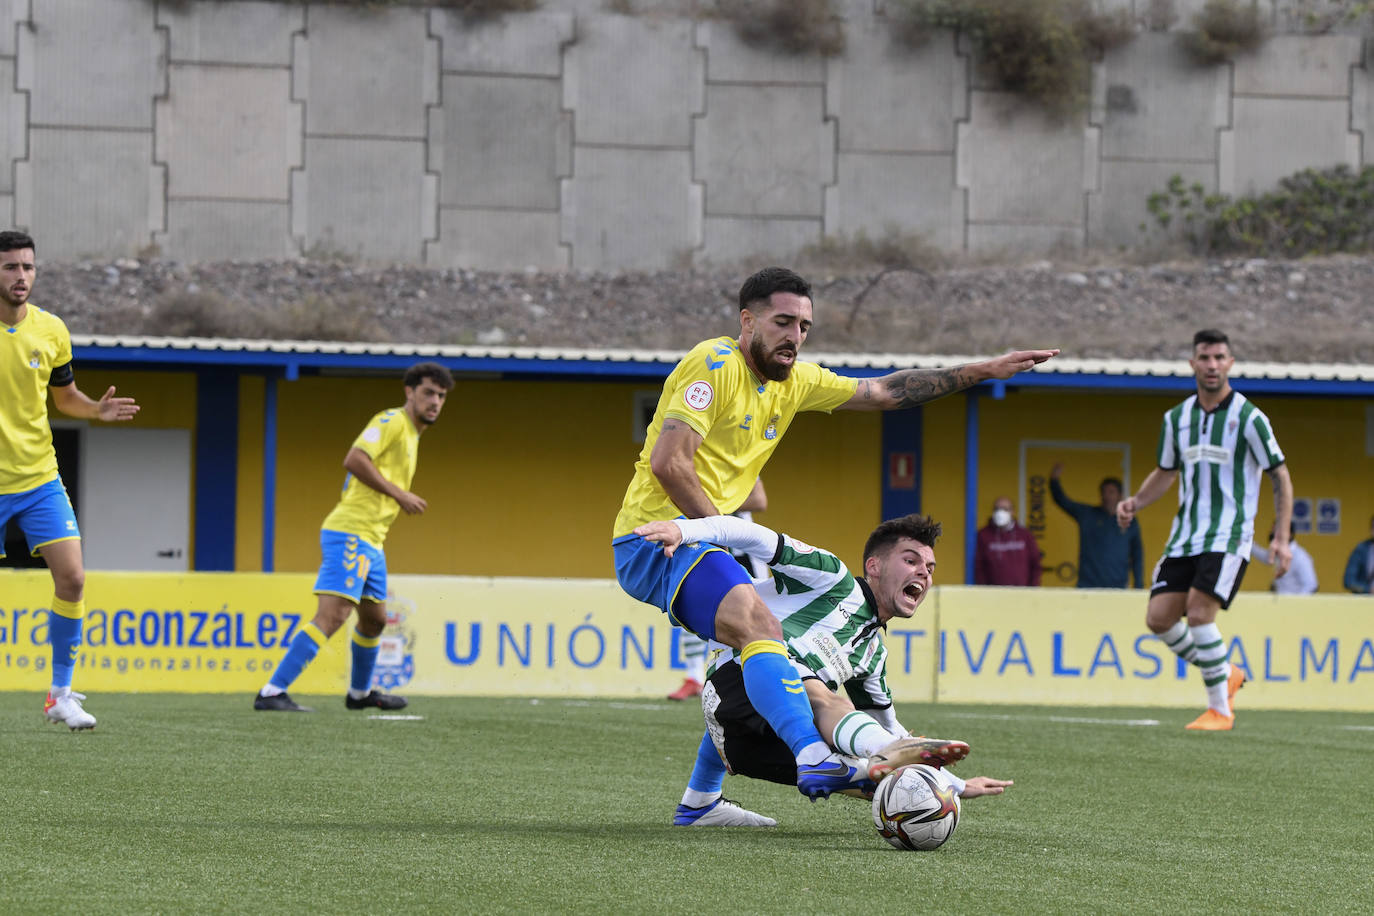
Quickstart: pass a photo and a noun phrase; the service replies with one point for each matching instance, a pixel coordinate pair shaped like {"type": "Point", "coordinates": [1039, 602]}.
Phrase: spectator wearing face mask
{"type": "Point", "coordinates": [1006, 553]}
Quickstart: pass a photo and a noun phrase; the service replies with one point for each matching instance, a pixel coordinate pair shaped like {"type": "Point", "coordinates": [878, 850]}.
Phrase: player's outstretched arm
{"type": "Point", "coordinates": [357, 463]}
{"type": "Point", "coordinates": [74, 403]}
{"type": "Point", "coordinates": [914, 387]}
{"type": "Point", "coordinates": [1154, 486]}
{"type": "Point", "coordinates": [984, 785]}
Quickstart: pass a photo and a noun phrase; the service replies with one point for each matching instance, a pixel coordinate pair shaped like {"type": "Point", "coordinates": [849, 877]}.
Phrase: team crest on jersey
{"type": "Point", "coordinates": [35, 359]}
{"type": "Point", "coordinates": [1233, 425]}
{"type": "Point", "coordinates": [771, 431]}
{"type": "Point", "coordinates": [396, 658]}
{"type": "Point", "coordinates": [699, 395]}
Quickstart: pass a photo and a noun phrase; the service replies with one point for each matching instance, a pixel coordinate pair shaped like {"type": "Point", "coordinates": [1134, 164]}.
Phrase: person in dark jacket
{"type": "Point", "coordinates": [1007, 553]}
{"type": "Point", "coordinates": [1106, 553]}
{"type": "Point", "coordinates": [1359, 569]}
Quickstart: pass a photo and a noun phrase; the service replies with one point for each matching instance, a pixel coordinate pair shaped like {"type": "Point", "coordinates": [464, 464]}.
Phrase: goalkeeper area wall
{"type": "Point", "coordinates": [224, 633]}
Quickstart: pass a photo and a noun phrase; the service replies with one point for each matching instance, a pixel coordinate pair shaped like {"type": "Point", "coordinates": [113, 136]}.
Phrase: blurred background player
{"type": "Point", "coordinates": [380, 465]}
{"type": "Point", "coordinates": [1301, 578]}
{"type": "Point", "coordinates": [723, 410]}
{"type": "Point", "coordinates": [833, 625]}
{"type": "Point", "coordinates": [1359, 567]}
{"type": "Point", "coordinates": [1220, 441]}
{"type": "Point", "coordinates": [694, 648]}
{"type": "Point", "coordinates": [35, 358]}
{"type": "Point", "coordinates": [1109, 556]}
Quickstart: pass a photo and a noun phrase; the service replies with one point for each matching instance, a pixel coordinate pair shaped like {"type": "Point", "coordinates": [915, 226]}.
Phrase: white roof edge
{"type": "Point", "coordinates": [1062, 365]}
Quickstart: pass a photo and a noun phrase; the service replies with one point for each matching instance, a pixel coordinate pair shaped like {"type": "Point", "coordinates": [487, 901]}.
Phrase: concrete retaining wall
{"type": "Point", "coordinates": [574, 137]}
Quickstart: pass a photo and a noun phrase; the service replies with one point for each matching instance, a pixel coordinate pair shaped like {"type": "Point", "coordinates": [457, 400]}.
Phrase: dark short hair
{"type": "Point", "coordinates": [1211, 336]}
{"type": "Point", "coordinates": [920, 528]}
{"type": "Point", "coordinates": [13, 240]}
{"type": "Point", "coordinates": [1114, 481]}
{"type": "Point", "coordinates": [770, 280]}
{"type": "Point", "coordinates": [436, 373]}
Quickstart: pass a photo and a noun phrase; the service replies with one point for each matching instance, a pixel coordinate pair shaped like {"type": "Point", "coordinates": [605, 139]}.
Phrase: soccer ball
{"type": "Point", "coordinates": [914, 808]}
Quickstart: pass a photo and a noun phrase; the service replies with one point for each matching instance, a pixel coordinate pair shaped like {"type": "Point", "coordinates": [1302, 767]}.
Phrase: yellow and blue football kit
{"type": "Point", "coordinates": [741, 420]}
{"type": "Point", "coordinates": [34, 354]}
{"type": "Point", "coordinates": [353, 564]}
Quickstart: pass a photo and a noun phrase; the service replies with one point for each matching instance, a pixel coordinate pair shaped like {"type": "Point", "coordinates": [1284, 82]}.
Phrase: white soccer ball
{"type": "Point", "coordinates": [914, 808]}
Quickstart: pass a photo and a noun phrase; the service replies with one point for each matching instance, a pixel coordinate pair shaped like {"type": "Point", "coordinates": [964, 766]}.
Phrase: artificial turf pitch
{"type": "Point", "coordinates": [196, 803]}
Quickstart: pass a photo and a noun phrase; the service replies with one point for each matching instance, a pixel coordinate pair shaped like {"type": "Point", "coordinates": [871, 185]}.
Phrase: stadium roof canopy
{"type": "Point", "coordinates": [290, 358]}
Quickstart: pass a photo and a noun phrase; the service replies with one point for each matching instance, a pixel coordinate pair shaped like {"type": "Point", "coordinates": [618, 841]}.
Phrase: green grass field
{"type": "Point", "coordinates": [181, 804]}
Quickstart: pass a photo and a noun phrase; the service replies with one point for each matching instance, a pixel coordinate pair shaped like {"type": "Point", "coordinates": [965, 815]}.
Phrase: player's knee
{"type": "Point", "coordinates": [69, 584]}
{"type": "Point", "coordinates": [759, 622]}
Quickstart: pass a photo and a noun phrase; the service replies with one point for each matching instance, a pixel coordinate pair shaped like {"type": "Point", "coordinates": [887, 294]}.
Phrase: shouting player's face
{"type": "Point", "coordinates": [900, 577]}
{"type": "Point", "coordinates": [16, 276]}
{"type": "Point", "coordinates": [776, 331]}
{"type": "Point", "coordinates": [424, 401]}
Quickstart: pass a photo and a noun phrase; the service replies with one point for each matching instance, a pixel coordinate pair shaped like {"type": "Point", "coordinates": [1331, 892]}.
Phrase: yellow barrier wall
{"type": "Point", "coordinates": [223, 633]}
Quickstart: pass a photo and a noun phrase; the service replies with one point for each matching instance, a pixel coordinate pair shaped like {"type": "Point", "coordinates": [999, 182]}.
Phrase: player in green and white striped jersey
{"type": "Point", "coordinates": [1216, 444]}
{"type": "Point", "coordinates": [832, 625]}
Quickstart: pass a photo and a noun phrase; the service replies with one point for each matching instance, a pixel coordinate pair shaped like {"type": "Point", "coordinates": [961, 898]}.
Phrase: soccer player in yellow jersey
{"type": "Point", "coordinates": [722, 412]}
{"type": "Point", "coordinates": [35, 358]}
{"type": "Point", "coordinates": [380, 465]}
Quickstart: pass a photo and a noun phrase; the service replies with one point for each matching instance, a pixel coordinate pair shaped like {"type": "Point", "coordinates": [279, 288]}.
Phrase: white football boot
{"type": "Point", "coordinates": [720, 813]}
{"type": "Point", "coordinates": [67, 710]}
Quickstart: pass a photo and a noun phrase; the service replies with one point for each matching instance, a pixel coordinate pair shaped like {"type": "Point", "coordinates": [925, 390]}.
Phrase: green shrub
{"type": "Point", "coordinates": [1311, 212]}
{"type": "Point", "coordinates": [789, 26]}
{"type": "Point", "coordinates": [1041, 49]}
{"type": "Point", "coordinates": [1224, 29]}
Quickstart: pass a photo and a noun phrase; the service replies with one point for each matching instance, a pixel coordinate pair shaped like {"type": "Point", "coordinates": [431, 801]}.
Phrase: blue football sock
{"type": "Point", "coordinates": [777, 693]}
{"type": "Point", "coordinates": [365, 651]}
{"type": "Point", "coordinates": [64, 635]}
{"type": "Point", "coordinates": [709, 773]}
{"type": "Point", "coordinates": [304, 647]}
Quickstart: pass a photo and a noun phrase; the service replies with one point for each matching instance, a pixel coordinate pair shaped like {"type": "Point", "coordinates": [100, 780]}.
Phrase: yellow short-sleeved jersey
{"type": "Point", "coordinates": [29, 352]}
{"type": "Point", "coordinates": [393, 444]}
{"type": "Point", "coordinates": [740, 418]}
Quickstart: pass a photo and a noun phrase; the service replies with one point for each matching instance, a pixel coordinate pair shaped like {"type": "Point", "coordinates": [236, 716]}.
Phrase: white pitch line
{"type": "Point", "coordinates": [399, 718]}
{"type": "Point", "coordinates": [1082, 720]}
{"type": "Point", "coordinates": [652, 707]}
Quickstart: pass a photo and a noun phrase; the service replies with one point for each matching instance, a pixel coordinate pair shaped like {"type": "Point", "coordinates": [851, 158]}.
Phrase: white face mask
{"type": "Point", "coordinates": [1001, 518]}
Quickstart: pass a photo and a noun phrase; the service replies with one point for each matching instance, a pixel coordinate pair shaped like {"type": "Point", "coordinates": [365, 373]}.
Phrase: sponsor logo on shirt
{"type": "Point", "coordinates": [699, 395]}
{"type": "Point", "coordinates": [1212, 454]}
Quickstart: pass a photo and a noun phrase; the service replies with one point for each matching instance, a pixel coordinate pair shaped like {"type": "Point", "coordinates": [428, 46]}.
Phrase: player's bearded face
{"type": "Point", "coordinates": [426, 400]}
{"type": "Point", "coordinates": [770, 365]}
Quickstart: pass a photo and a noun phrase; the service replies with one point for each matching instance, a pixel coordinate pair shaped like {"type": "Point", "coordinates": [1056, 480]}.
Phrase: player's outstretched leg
{"type": "Point", "coordinates": [360, 695]}
{"type": "Point", "coordinates": [777, 693]}
{"type": "Point", "coordinates": [702, 804]}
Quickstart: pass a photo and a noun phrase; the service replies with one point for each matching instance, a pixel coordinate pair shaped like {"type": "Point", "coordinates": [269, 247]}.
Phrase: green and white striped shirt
{"type": "Point", "coordinates": [829, 618]}
{"type": "Point", "coordinates": [1219, 456]}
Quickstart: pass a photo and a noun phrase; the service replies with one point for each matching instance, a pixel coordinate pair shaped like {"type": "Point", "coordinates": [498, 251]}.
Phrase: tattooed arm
{"type": "Point", "coordinates": [671, 462]}
{"type": "Point", "coordinates": [913, 387]}
{"type": "Point", "coordinates": [1279, 551]}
